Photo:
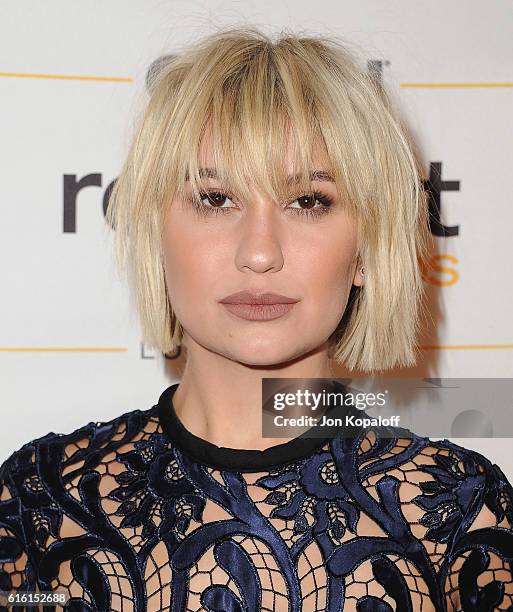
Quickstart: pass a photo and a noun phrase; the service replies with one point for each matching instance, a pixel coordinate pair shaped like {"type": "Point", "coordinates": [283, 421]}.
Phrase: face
{"type": "Point", "coordinates": [260, 246]}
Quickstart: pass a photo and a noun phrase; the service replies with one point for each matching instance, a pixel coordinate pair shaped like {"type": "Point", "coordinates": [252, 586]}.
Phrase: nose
{"type": "Point", "coordinates": [259, 247]}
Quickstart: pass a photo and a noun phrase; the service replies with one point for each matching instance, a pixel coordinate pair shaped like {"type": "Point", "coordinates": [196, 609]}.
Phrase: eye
{"type": "Point", "coordinates": [310, 201]}
{"type": "Point", "coordinates": [212, 203]}
{"type": "Point", "coordinates": [215, 198]}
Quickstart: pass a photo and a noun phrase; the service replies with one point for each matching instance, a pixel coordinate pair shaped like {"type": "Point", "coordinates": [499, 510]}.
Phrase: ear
{"type": "Point", "coordinates": [358, 278]}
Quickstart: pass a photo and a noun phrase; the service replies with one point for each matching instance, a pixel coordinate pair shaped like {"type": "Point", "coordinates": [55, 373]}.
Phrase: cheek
{"type": "Point", "coordinates": [189, 260]}
{"type": "Point", "coordinates": [327, 266]}
{"type": "Point", "coordinates": [326, 283]}
{"type": "Point", "coordinates": [326, 270]}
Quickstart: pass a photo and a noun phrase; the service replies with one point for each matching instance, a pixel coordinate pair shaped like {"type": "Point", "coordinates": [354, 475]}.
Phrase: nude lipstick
{"type": "Point", "coordinates": [258, 306]}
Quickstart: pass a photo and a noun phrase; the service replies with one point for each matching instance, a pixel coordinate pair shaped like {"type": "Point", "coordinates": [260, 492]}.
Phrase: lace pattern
{"type": "Point", "coordinates": [122, 519]}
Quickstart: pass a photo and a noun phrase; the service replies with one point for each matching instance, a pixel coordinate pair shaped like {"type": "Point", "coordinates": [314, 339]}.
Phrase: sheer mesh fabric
{"type": "Point", "coordinates": [121, 519]}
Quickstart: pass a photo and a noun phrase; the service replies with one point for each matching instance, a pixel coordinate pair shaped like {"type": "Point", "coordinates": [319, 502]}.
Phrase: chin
{"type": "Point", "coordinates": [263, 354]}
{"type": "Point", "coordinates": [262, 361]}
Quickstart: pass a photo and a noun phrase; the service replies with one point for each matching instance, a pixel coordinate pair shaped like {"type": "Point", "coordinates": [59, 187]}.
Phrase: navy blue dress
{"type": "Point", "coordinates": [137, 513]}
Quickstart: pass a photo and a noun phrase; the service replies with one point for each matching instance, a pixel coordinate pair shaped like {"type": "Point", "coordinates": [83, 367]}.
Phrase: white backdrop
{"type": "Point", "coordinates": [72, 75]}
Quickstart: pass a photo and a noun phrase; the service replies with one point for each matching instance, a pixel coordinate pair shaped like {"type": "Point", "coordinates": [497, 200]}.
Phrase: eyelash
{"type": "Point", "coordinates": [205, 210]}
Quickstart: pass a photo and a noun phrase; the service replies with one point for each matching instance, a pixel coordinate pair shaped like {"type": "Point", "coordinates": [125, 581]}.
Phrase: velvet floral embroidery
{"type": "Point", "coordinates": [123, 519]}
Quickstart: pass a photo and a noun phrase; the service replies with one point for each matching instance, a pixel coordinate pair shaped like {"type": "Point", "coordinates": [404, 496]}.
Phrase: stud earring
{"type": "Point", "coordinates": [362, 270]}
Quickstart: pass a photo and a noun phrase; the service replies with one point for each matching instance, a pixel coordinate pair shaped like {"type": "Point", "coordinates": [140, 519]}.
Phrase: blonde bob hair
{"type": "Point", "coordinates": [256, 96]}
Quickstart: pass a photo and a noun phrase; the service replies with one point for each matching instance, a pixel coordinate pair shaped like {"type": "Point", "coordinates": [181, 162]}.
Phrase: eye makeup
{"type": "Point", "coordinates": [215, 203]}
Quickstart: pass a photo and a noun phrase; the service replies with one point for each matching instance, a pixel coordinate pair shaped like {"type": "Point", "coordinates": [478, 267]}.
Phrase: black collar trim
{"type": "Point", "coordinates": [225, 458]}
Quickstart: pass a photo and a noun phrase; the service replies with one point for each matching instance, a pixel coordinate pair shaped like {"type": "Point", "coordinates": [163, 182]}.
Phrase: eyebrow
{"type": "Point", "coordinates": [316, 175]}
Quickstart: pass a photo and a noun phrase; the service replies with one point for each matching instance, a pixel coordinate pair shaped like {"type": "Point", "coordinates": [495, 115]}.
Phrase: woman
{"type": "Point", "coordinates": [275, 169]}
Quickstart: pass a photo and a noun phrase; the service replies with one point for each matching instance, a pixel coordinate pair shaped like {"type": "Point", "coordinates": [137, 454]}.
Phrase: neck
{"type": "Point", "coordinates": [220, 400]}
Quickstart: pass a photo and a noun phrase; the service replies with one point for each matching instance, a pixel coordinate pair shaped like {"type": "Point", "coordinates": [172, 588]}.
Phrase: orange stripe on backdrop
{"type": "Point", "coordinates": [67, 77]}
{"type": "Point", "coordinates": [60, 350]}
{"type": "Point", "coordinates": [31, 75]}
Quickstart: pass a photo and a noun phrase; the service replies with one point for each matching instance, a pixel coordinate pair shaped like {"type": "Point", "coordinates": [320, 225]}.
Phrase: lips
{"type": "Point", "coordinates": [259, 312]}
{"type": "Point", "coordinates": [248, 297]}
